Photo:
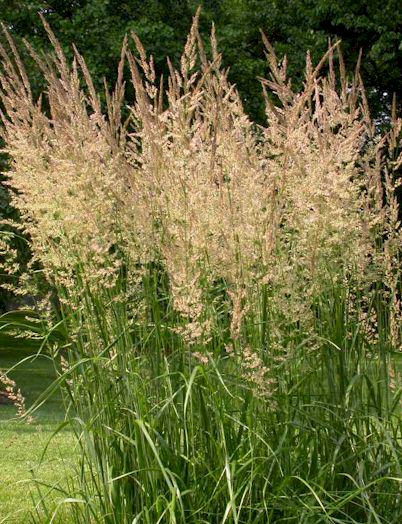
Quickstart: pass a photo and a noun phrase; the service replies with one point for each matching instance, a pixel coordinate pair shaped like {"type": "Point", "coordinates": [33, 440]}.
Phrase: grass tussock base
{"type": "Point", "coordinates": [222, 300]}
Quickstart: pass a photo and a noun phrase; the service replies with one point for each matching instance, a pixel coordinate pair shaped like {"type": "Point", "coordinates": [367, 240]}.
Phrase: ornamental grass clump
{"type": "Point", "coordinates": [226, 295]}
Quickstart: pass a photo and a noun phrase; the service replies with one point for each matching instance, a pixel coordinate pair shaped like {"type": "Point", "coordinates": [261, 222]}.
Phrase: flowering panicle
{"type": "Point", "coordinates": [299, 208]}
{"type": "Point", "coordinates": [15, 396]}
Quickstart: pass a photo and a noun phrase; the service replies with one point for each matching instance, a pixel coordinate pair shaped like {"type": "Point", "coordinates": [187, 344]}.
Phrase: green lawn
{"type": "Point", "coordinates": [22, 444]}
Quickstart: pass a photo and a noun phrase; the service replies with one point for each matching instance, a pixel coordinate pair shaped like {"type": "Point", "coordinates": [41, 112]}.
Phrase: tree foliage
{"type": "Point", "coordinates": [98, 27]}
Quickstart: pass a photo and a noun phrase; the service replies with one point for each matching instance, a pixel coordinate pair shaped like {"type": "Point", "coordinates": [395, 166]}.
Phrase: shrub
{"type": "Point", "coordinates": [230, 293]}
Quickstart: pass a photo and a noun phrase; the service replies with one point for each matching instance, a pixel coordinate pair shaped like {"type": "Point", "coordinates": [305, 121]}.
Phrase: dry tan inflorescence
{"type": "Point", "coordinates": [298, 206]}
{"type": "Point", "coordinates": [15, 396]}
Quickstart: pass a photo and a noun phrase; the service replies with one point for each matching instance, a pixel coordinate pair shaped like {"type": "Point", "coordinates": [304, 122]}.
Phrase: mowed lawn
{"type": "Point", "coordinates": [22, 445]}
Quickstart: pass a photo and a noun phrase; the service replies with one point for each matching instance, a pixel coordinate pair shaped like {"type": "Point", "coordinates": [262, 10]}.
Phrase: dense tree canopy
{"type": "Point", "coordinates": [98, 26]}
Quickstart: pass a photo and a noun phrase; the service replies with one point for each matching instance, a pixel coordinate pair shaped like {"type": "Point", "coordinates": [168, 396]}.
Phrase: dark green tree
{"type": "Point", "coordinates": [97, 27]}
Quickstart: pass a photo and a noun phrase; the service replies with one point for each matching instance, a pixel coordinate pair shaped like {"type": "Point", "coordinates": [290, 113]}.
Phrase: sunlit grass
{"type": "Point", "coordinates": [22, 457]}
